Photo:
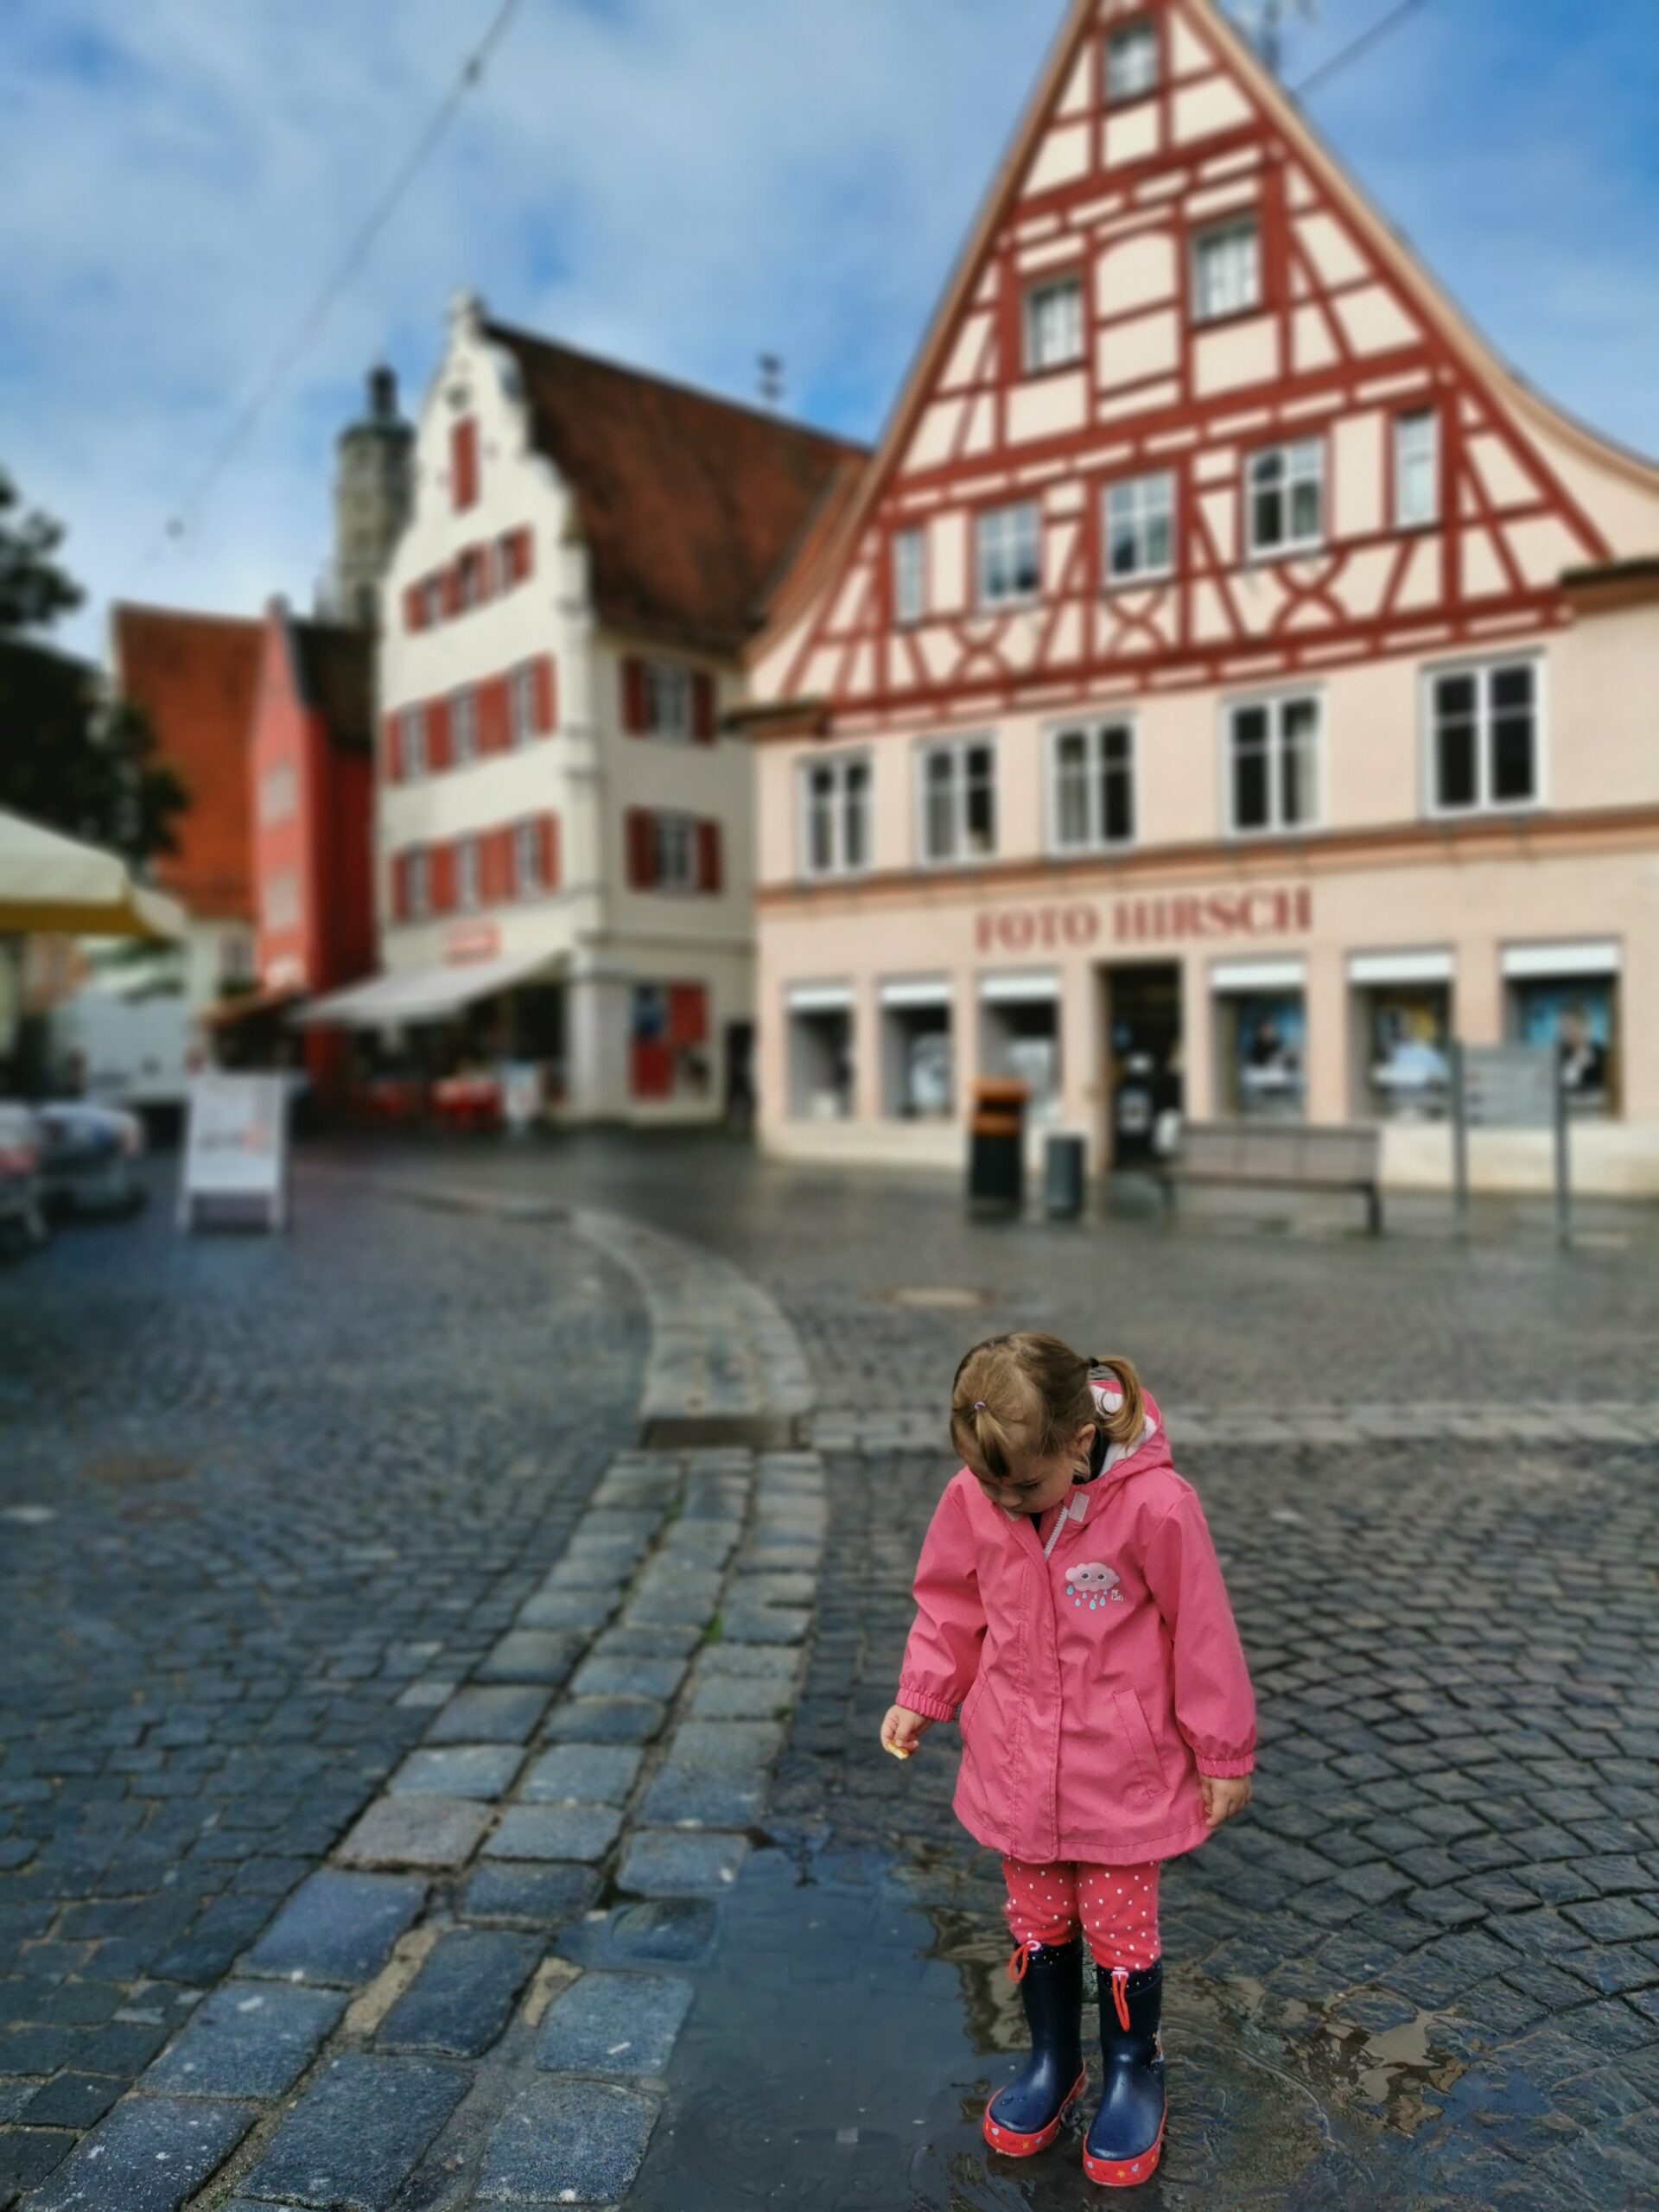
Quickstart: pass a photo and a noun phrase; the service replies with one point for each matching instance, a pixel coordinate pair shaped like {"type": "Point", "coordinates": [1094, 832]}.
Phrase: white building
{"type": "Point", "coordinates": [563, 824]}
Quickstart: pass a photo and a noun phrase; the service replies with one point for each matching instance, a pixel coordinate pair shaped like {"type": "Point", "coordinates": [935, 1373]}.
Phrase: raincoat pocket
{"type": "Point", "coordinates": [1137, 1734]}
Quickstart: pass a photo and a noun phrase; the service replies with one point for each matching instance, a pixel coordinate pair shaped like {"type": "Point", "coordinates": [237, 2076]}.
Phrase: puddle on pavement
{"type": "Point", "coordinates": [854, 2020]}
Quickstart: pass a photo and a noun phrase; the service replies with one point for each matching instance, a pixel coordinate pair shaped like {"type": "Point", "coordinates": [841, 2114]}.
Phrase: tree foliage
{"type": "Point", "coordinates": [69, 758]}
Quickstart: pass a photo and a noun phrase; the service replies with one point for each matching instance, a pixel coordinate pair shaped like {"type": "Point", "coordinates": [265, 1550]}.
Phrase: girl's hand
{"type": "Point", "coordinates": [1223, 1795]}
{"type": "Point", "coordinates": [903, 1730]}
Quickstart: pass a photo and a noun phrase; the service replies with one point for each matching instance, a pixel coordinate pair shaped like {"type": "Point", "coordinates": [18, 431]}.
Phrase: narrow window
{"type": "Point", "coordinates": [1287, 498]}
{"type": "Point", "coordinates": [1054, 324]}
{"type": "Point", "coordinates": [668, 700]}
{"type": "Point", "coordinates": [1094, 787]}
{"type": "Point", "coordinates": [676, 852]}
{"type": "Point", "coordinates": [1139, 529]}
{"type": "Point", "coordinates": [1484, 737]}
{"type": "Point", "coordinates": [1416, 468]}
{"type": "Point", "coordinates": [959, 801]}
{"type": "Point", "coordinates": [418, 878]}
{"type": "Point", "coordinates": [527, 858]}
{"type": "Point", "coordinates": [466, 873]}
{"type": "Point", "coordinates": [1226, 271]}
{"type": "Point", "coordinates": [1274, 765]}
{"type": "Point", "coordinates": [1009, 565]}
{"type": "Point", "coordinates": [521, 694]}
{"type": "Point", "coordinates": [463, 726]}
{"type": "Point", "coordinates": [413, 746]}
{"type": "Point", "coordinates": [1131, 64]}
{"type": "Point", "coordinates": [909, 574]}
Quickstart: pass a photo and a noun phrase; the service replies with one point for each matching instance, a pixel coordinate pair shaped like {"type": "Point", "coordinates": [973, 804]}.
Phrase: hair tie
{"type": "Point", "coordinates": [979, 1405]}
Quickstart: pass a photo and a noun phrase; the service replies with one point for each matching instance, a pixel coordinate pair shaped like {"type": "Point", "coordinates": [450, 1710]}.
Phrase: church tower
{"type": "Point", "coordinates": [372, 493]}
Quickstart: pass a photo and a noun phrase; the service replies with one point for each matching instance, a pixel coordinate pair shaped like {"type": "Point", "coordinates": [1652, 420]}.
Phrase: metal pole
{"type": "Point", "coordinates": [1563, 1184]}
{"type": "Point", "coordinates": [1460, 1140]}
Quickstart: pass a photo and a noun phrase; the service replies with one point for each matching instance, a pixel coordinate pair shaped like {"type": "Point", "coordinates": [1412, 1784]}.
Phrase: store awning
{"type": "Point", "coordinates": [57, 886]}
{"type": "Point", "coordinates": [423, 994]}
{"type": "Point", "coordinates": [251, 1005]}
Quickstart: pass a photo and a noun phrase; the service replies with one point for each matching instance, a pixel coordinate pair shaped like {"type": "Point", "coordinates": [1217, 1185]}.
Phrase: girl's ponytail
{"type": "Point", "coordinates": [1124, 1427]}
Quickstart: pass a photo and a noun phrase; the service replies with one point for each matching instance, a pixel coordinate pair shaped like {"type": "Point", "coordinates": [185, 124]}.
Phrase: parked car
{"type": "Point", "coordinates": [90, 1157]}
{"type": "Point", "coordinates": [22, 1185]}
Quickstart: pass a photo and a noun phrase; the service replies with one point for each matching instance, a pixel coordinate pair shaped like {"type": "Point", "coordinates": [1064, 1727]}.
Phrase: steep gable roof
{"type": "Point", "coordinates": [689, 504]}
{"type": "Point", "coordinates": [818, 565]}
{"type": "Point", "coordinates": [196, 676]}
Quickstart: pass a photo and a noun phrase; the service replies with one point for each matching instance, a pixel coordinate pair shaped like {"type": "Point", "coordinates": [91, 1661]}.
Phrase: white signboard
{"type": "Point", "coordinates": [1509, 1086]}
{"type": "Point", "coordinates": [236, 1145]}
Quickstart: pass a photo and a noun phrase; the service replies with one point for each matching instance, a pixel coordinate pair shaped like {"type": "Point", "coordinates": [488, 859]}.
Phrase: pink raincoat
{"type": "Point", "coordinates": [1097, 1667]}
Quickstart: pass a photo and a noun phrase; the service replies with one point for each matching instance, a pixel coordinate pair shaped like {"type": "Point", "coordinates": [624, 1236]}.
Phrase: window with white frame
{"type": "Point", "coordinates": [521, 703]}
{"type": "Point", "coordinates": [1131, 63]}
{"type": "Point", "coordinates": [1226, 270]}
{"type": "Point", "coordinates": [1484, 737]}
{"type": "Point", "coordinates": [527, 858]}
{"type": "Point", "coordinates": [1093, 772]}
{"type": "Point", "coordinates": [1010, 567]}
{"type": "Point", "coordinates": [1273, 764]}
{"type": "Point", "coordinates": [837, 808]}
{"type": "Point", "coordinates": [909, 576]}
{"type": "Point", "coordinates": [413, 741]}
{"type": "Point", "coordinates": [1139, 529]}
{"type": "Point", "coordinates": [1285, 497]}
{"type": "Point", "coordinates": [281, 902]}
{"type": "Point", "coordinates": [417, 881]}
{"type": "Point", "coordinates": [1054, 323]}
{"type": "Point", "coordinates": [959, 800]}
{"type": "Point", "coordinates": [471, 581]}
{"type": "Point", "coordinates": [278, 792]}
{"type": "Point", "coordinates": [668, 699]}
{"type": "Point", "coordinates": [1416, 469]}
{"type": "Point", "coordinates": [675, 840]}
{"type": "Point", "coordinates": [468, 883]}
{"type": "Point", "coordinates": [463, 726]}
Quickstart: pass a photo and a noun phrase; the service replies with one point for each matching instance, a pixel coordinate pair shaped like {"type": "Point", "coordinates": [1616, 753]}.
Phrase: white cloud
{"type": "Point", "coordinates": [679, 183]}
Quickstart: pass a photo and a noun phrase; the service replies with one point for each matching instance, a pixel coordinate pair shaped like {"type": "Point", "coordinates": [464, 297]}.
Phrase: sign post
{"type": "Point", "coordinates": [236, 1146]}
{"type": "Point", "coordinates": [1509, 1087]}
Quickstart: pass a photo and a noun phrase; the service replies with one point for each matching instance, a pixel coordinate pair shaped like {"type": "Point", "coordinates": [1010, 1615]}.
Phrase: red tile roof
{"type": "Point", "coordinates": [195, 676]}
{"type": "Point", "coordinates": [690, 504]}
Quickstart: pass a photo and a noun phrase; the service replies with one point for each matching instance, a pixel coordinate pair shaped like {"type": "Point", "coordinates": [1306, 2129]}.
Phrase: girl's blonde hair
{"type": "Point", "coordinates": [1021, 1396]}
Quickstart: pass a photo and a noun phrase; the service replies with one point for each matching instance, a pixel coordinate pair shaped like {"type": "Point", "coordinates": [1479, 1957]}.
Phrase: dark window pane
{"type": "Point", "coordinates": [1266, 526]}
{"type": "Point", "coordinates": [1250, 789]}
{"type": "Point", "coordinates": [1512, 765]}
{"type": "Point", "coordinates": [1454, 764]}
{"type": "Point", "coordinates": [1114, 745]}
{"type": "Point", "coordinates": [1117, 806]}
{"type": "Point", "coordinates": [1454, 695]}
{"type": "Point", "coordinates": [1511, 688]}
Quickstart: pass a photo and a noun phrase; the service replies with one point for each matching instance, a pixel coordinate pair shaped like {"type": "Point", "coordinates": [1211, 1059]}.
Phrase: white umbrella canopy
{"type": "Point", "coordinates": [56, 885]}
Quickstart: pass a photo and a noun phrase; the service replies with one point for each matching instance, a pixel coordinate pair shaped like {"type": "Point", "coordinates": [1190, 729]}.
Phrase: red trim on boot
{"type": "Point", "coordinates": [1014, 2146]}
{"type": "Point", "coordinates": [1124, 2173]}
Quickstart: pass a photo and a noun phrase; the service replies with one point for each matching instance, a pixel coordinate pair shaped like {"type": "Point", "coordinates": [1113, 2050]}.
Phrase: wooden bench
{"type": "Point", "coordinates": [1287, 1155]}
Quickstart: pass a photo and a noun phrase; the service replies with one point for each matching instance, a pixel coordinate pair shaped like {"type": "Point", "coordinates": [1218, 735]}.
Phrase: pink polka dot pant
{"type": "Point", "coordinates": [1117, 1908]}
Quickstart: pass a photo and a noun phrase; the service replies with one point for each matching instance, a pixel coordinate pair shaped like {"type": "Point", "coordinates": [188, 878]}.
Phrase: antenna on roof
{"type": "Point", "coordinates": [1263, 23]}
{"type": "Point", "coordinates": [771, 379]}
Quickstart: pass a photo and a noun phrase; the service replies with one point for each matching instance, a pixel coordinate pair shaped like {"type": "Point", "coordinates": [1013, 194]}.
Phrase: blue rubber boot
{"type": "Point", "coordinates": [1123, 2145]}
{"type": "Point", "coordinates": [1024, 2118]}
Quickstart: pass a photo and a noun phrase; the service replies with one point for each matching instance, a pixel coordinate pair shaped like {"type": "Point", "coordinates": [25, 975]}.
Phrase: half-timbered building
{"type": "Point", "coordinates": [1229, 682]}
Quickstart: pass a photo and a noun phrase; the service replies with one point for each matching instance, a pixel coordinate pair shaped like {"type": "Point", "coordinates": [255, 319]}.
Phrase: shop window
{"type": "Point", "coordinates": [669, 1054]}
{"type": "Point", "coordinates": [1263, 1060]}
{"type": "Point", "coordinates": [917, 1072]}
{"type": "Point", "coordinates": [1020, 1038]}
{"type": "Point", "coordinates": [1053, 324]}
{"type": "Point", "coordinates": [836, 795]}
{"type": "Point", "coordinates": [1138, 523]}
{"type": "Point", "coordinates": [959, 800]}
{"type": "Point", "coordinates": [1274, 765]}
{"type": "Point", "coordinates": [1286, 498]}
{"type": "Point", "coordinates": [1093, 803]}
{"type": "Point", "coordinates": [1227, 270]}
{"type": "Point", "coordinates": [820, 1044]}
{"type": "Point", "coordinates": [1404, 1046]}
{"type": "Point", "coordinates": [1009, 555]}
{"type": "Point", "coordinates": [1579, 1015]}
{"type": "Point", "coordinates": [1483, 738]}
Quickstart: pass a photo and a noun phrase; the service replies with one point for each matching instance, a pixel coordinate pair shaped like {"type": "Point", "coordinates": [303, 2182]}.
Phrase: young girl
{"type": "Point", "coordinates": [1070, 1603]}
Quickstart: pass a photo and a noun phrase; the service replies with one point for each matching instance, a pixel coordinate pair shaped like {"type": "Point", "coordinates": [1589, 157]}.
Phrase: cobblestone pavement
{"type": "Point", "coordinates": [570, 1942]}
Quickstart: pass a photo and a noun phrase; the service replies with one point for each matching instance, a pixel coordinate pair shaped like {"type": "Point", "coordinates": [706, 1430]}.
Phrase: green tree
{"type": "Point", "coordinates": [68, 756]}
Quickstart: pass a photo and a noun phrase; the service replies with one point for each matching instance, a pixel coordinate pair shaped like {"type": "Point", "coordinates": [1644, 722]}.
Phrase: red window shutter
{"type": "Point", "coordinates": [400, 886]}
{"type": "Point", "coordinates": [702, 707]}
{"type": "Point", "coordinates": [546, 702]}
{"type": "Point", "coordinates": [463, 463]}
{"type": "Point", "coordinates": [708, 857]}
{"type": "Point", "coordinates": [634, 697]}
{"type": "Point", "coordinates": [524, 546]}
{"type": "Point", "coordinates": [444, 879]}
{"type": "Point", "coordinates": [498, 865]}
{"type": "Point", "coordinates": [549, 829]}
{"type": "Point", "coordinates": [493, 735]}
{"type": "Point", "coordinates": [438, 735]}
{"type": "Point", "coordinates": [688, 1013]}
{"type": "Point", "coordinates": [484, 567]}
{"type": "Point", "coordinates": [452, 589]}
{"type": "Point", "coordinates": [393, 751]}
{"type": "Point", "coordinates": [642, 848]}
{"type": "Point", "coordinates": [413, 612]}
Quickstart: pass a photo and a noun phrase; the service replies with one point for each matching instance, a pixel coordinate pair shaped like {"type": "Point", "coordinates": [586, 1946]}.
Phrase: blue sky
{"type": "Point", "coordinates": [681, 185]}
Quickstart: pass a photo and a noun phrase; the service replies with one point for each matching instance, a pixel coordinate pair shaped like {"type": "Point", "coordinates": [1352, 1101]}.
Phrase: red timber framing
{"type": "Point", "coordinates": [1345, 335]}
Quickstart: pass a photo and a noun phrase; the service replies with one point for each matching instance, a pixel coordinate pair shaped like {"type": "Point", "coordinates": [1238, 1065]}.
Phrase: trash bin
{"type": "Point", "coordinates": [1063, 1173]}
{"type": "Point", "coordinates": [997, 1149]}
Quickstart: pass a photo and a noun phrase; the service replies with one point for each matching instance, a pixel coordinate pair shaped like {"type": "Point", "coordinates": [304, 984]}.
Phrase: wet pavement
{"type": "Point", "coordinates": [289, 1527]}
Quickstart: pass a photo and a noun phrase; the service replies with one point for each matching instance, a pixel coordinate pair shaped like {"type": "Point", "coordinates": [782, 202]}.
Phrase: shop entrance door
{"type": "Point", "coordinates": [1143, 1031]}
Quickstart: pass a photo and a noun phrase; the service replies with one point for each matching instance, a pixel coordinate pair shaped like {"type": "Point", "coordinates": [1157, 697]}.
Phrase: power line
{"type": "Point", "coordinates": [1356, 47]}
{"type": "Point", "coordinates": [243, 424]}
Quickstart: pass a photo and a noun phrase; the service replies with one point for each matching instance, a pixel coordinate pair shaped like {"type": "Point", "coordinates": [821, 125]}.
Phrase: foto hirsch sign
{"type": "Point", "coordinates": [1168, 918]}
